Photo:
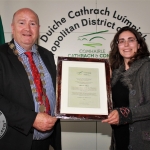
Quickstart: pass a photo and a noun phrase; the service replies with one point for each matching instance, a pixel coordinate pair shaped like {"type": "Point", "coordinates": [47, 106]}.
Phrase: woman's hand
{"type": "Point", "coordinates": [113, 118]}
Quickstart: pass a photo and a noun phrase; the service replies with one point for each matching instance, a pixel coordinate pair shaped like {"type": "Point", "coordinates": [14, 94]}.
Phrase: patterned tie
{"type": "Point", "coordinates": [42, 97]}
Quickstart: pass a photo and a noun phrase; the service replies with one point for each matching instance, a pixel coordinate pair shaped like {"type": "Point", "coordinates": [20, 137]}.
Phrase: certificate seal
{"type": "Point", "coordinates": [3, 125]}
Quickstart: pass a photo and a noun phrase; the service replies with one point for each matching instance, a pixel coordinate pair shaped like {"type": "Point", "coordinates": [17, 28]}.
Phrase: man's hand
{"type": "Point", "coordinates": [44, 122]}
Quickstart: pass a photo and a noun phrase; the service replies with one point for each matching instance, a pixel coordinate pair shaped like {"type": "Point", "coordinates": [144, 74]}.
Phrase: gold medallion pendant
{"type": "Point", "coordinates": [42, 108]}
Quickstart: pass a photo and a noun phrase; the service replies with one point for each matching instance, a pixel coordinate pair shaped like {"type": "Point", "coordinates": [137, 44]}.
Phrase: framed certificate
{"type": "Point", "coordinates": [83, 88]}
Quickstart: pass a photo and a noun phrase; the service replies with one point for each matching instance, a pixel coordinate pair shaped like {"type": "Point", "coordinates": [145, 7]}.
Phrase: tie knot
{"type": "Point", "coordinates": [28, 54]}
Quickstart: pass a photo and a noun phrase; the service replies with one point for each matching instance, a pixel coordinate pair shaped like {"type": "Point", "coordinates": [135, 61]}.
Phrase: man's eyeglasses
{"type": "Point", "coordinates": [130, 41]}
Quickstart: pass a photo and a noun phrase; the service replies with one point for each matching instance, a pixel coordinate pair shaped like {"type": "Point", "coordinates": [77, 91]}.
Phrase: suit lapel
{"type": "Point", "coordinates": [20, 71]}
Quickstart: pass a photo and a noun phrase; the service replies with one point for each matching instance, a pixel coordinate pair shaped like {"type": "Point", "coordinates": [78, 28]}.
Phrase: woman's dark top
{"type": "Point", "coordinates": [120, 97]}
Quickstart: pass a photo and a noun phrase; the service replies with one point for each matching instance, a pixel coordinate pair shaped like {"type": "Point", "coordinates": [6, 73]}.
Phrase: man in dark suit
{"type": "Point", "coordinates": [26, 101]}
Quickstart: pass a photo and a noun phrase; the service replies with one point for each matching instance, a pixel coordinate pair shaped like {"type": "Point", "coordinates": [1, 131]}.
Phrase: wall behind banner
{"type": "Point", "coordinates": [81, 28]}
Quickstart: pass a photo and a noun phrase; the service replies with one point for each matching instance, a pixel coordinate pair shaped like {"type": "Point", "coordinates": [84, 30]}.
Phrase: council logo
{"type": "Point", "coordinates": [3, 125]}
{"type": "Point", "coordinates": [91, 39]}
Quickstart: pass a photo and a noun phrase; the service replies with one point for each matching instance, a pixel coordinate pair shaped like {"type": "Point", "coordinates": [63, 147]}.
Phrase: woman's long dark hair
{"type": "Point", "coordinates": [116, 59]}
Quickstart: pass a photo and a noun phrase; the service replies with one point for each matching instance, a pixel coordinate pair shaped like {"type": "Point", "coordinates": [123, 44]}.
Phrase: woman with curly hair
{"type": "Point", "coordinates": [130, 83]}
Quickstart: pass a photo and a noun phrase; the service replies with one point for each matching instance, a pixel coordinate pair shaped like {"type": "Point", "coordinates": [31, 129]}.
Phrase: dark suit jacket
{"type": "Point", "coordinates": [16, 101]}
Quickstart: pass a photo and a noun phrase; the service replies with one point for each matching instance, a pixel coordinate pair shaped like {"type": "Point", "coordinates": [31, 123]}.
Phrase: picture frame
{"type": "Point", "coordinates": [83, 88]}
